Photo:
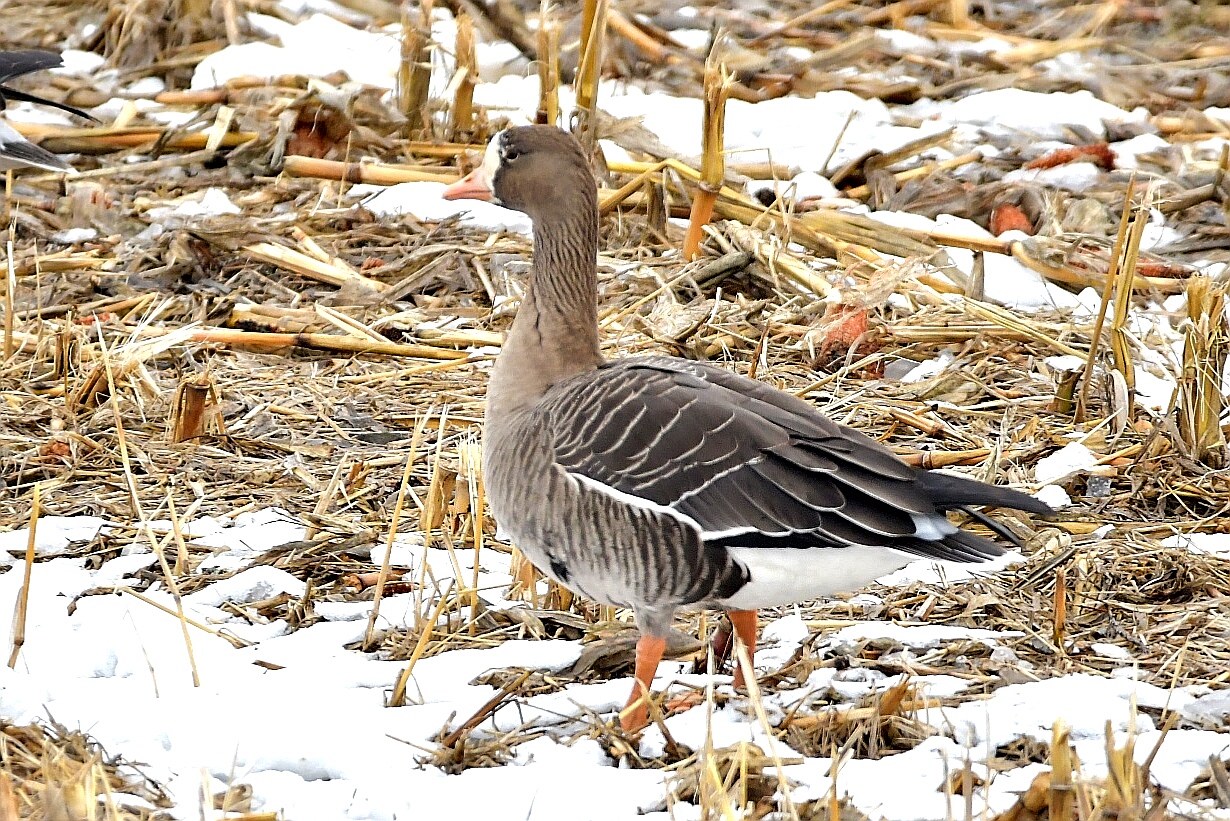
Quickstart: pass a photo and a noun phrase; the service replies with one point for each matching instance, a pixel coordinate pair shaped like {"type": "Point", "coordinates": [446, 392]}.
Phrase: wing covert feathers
{"type": "Point", "coordinates": [754, 466]}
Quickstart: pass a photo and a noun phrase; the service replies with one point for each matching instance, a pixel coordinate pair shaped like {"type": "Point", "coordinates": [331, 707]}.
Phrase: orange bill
{"type": "Point", "coordinates": [472, 186]}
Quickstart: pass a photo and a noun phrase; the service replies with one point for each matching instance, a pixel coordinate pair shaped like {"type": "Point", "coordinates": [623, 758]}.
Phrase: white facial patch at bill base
{"type": "Point", "coordinates": [491, 162]}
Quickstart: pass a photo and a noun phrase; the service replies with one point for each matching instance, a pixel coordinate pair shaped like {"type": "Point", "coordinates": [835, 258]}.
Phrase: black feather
{"type": "Point", "coordinates": [16, 63]}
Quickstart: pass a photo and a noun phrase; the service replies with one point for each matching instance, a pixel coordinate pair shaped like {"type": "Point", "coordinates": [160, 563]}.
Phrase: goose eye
{"type": "Point", "coordinates": [511, 154]}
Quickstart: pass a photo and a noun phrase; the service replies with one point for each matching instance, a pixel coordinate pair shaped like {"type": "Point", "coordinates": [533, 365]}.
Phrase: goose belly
{"type": "Point", "coordinates": [612, 552]}
{"type": "Point", "coordinates": [784, 575]}
{"type": "Point", "coordinates": [624, 557]}
{"type": "Point", "coordinates": [581, 571]}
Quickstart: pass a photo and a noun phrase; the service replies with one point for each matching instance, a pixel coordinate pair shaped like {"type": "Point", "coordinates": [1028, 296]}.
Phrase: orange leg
{"type": "Point", "coordinates": [745, 624]}
{"type": "Point", "coordinates": [635, 714]}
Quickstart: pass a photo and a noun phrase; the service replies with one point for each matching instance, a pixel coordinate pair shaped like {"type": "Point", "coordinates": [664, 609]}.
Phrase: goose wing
{"type": "Point", "coordinates": [26, 61]}
{"type": "Point", "coordinates": [16, 151]}
{"type": "Point", "coordinates": [753, 466]}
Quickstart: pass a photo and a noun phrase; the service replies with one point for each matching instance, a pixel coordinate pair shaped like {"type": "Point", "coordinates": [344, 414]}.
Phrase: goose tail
{"type": "Point", "coordinates": [949, 492]}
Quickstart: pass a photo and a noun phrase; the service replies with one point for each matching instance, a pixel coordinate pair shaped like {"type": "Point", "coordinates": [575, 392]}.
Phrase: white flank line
{"type": "Point", "coordinates": [631, 500]}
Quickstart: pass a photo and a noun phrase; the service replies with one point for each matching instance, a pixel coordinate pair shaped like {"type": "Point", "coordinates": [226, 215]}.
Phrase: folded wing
{"type": "Point", "coordinates": [755, 467]}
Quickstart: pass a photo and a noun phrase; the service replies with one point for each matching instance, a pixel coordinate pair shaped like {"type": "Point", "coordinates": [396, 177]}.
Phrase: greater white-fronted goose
{"type": "Point", "coordinates": [656, 483]}
{"type": "Point", "coordinates": [15, 150]}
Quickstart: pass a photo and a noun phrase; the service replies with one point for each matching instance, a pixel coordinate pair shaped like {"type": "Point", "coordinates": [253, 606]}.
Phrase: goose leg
{"type": "Point", "coordinates": [745, 624]}
{"type": "Point", "coordinates": [635, 714]}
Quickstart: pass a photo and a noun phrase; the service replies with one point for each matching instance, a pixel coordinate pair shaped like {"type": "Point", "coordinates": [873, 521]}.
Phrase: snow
{"type": "Point", "coordinates": [122, 668]}
{"type": "Point", "coordinates": [1055, 496]}
{"type": "Point", "coordinates": [71, 236]}
{"type": "Point", "coordinates": [132, 657]}
{"type": "Point", "coordinates": [806, 185]}
{"type": "Point", "coordinates": [1212, 544]}
{"type": "Point", "coordinates": [841, 127]}
{"type": "Point", "coordinates": [1086, 703]}
{"type": "Point", "coordinates": [1075, 177]}
{"type": "Point", "coordinates": [367, 58]}
{"type": "Point", "coordinates": [770, 125]}
{"type": "Point", "coordinates": [146, 87]}
{"type": "Point", "coordinates": [52, 536]}
{"type": "Point", "coordinates": [1128, 151]}
{"type": "Point", "coordinates": [1071, 458]}
{"type": "Point", "coordinates": [245, 723]}
{"type": "Point", "coordinates": [1067, 362]}
{"type": "Point", "coordinates": [1153, 391]}
{"type": "Point", "coordinates": [1044, 116]}
{"type": "Point", "coordinates": [247, 586]}
{"type": "Point", "coordinates": [423, 201]}
{"type": "Point", "coordinates": [919, 637]}
{"type": "Point", "coordinates": [1110, 651]}
{"type": "Point", "coordinates": [931, 367]}
{"type": "Point", "coordinates": [192, 208]}
{"type": "Point", "coordinates": [1005, 280]}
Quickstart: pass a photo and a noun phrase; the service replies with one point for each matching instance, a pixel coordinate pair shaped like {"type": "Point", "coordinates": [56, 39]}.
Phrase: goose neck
{"type": "Point", "coordinates": [555, 334]}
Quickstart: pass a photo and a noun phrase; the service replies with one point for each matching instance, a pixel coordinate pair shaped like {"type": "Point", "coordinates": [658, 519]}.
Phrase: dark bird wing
{"type": "Point", "coordinates": [16, 63]}
{"type": "Point", "coordinates": [18, 152]}
{"type": "Point", "coordinates": [25, 61]}
{"type": "Point", "coordinates": [754, 466]}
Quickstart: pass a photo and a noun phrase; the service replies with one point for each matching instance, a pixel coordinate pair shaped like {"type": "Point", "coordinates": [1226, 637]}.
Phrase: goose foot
{"type": "Point", "coordinates": [635, 714]}
{"type": "Point", "coordinates": [745, 624]}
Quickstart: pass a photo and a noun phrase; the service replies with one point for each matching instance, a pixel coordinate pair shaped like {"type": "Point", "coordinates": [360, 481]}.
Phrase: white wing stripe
{"type": "Point", "coordinates": [642, 503]}
{"type": "Point", "coordinates": [633, 500]}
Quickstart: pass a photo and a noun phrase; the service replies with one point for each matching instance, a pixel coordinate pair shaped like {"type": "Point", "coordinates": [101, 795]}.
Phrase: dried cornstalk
{"type": "Point", "coordinates": [127, 359]}
{"type": "Point", "coordinates": [918, 172]}
{"type": "Point", "coordinates": [809, 16]}
{"type": "Point", "coordinates": [398, 696]}
{"type": "Point", "coordinates": [313, 249]}
{"type": "Point", "coordinates": [169, 578]}
{"type": "Point", "coordinates": [1116, 255]}
{"type": "Point", "coordinates": [958, 14]}
{"type": "Point", "coordinates": [297, 166]}
{"type": "Point", "coordinates": [1062, 800]}
{"type": "Point", "coordinates": [1204, 357]}
{"type": "Point", "coordinates": [415, 440]}
{"type": "Point", "coordinates": [439, 491]}
{"type": "Point", "coordinates": [774, 256]}
{"type": "Point", "coordinates": [713, 160]}
{"type": "Point", "coordinates": [1059, 613]}
{"type": "Point", "coordinates": [61, 140]}
{"type": "Point", "coordinates": [589, 70]}
{"type": "Point", "coordinates": [489, 707]}
{"type": "Point", "coordinates": [1012, 322]}
{"type": "Point", "coordinates": [464, 80]}
{"type": "Point", "coordinates": [304, 265]}
{"type": "Point", "coordinates": [1120, 339]}
{"type": "Point", "coordinates": [525, 577]}
{"type": "Point", "coordinates": [414, 73]}
{"type": "Point", "coordinates": [324, 342]}
{"type": "Point", "coordinates": [470, 455]}
{"type": "Point", "coordinates": [548, 66]}
{"type": "Point", "coordinates": [1124, 784]}
{"type": "Point", "coordinates": [8, 799]}
{"type": "Point", "coordinates": [10, 289]}
{"type": "Point", "coordinates": [23, 597]}
{"type": "Point", "coordinates": [191, 408]}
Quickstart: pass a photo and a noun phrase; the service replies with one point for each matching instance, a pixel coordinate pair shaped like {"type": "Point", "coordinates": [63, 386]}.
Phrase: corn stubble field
{"type": "Point", "coordinates": [305, 354]}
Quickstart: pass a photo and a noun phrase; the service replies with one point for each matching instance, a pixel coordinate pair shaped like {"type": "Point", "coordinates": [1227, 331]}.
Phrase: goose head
{"type": "Point", "coordinates": [539, 170]}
